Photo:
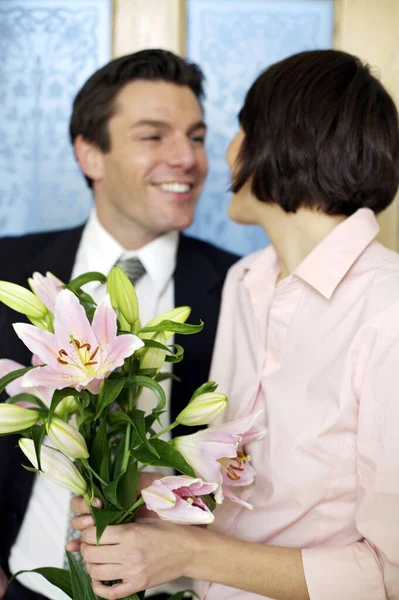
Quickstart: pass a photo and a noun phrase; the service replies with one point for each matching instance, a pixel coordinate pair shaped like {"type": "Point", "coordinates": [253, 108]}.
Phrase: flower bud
{"type": "Point", "coordinates": [179, 314]}
{"type": "Point", "coordinates": [56, 467]}
{"type": "Point", "coordinates": [153, 358]}
{"type": "Point", "coordinates": [123, 295]}
{"type": "Point", "coordinates": [67, 439]}
{"type": "Point", "coordinates": [15, 418]}
{"type": "Point", "coordinates": [21, 300]}
{"type": "Point", "coordinates": [46, 288]}
{"type": "Point", "coordinates": [66, 408]}
{"type": "Point", "coordinates": [203, 409]}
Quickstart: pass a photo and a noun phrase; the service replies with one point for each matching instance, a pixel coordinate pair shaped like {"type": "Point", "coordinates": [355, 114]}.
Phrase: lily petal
{"type": "Point", "coordinates": [50, 378]}
{"type": "Point", "coordinates": [76, 324]}
{"type": "Point", "coordinates": [121, 347]}
{"type": "Point", "coordinates": [40, 342]}
{"type": "Point", "coordinates": [104, 323]}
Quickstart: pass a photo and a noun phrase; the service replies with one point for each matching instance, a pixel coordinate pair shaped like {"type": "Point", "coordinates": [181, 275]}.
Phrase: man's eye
{"type": "Point", "coordinates": [198, 139]}
{"type": "Point", "coordinates": [155, 138]}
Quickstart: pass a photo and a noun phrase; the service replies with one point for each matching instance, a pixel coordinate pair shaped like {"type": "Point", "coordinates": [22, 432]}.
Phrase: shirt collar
{"type": "Point", "coordinates": [158, 258]}
{"type": "Point", "coordinates": [328, 263]}
{"type": "Point", "coordinates": [98, 250]}
{"type": "Point", "coordinates": [101, 251]}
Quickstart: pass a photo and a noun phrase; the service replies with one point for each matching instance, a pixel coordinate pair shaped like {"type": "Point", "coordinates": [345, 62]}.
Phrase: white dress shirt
{"type": "Point", "coordinates": [41, 539]}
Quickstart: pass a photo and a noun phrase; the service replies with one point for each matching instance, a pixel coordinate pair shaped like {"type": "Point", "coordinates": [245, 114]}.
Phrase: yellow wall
{"type": "Point", "coordinates": [367, 28]}
{"type": "Point", "coordinates": [140, 24]}
{"type": "Point", "coordinates": [370, 29]}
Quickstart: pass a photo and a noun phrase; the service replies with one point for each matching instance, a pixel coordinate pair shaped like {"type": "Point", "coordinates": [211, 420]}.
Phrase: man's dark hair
{"type": "Point", "coordinates": [322, 132]}
{"type": "Point", "coordinates": [95, 103]}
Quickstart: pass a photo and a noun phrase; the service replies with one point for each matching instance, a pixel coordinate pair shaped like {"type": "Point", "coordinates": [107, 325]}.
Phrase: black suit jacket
{"type": "Point", "coordinates": [198, 280]}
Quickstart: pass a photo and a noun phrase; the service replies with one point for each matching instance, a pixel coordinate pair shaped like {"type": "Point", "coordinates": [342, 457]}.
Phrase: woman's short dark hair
{"type": "Point", "coordinates": [95, 104]}
{"type": "Point", "coordinates": [322, 132]}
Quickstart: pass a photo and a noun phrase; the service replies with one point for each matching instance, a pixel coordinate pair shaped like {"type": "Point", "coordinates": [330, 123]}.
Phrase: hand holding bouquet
{"type": "Point", "coordinates": [90, 365]}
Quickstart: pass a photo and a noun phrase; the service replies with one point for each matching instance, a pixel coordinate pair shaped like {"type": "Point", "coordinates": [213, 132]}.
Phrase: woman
{"type": "Point", "coordinates": [309, 331]}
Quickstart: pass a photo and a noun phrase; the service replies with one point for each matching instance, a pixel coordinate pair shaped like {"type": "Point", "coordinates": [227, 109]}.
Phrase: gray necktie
{"type": "Point", "coordinates": [134, 269]}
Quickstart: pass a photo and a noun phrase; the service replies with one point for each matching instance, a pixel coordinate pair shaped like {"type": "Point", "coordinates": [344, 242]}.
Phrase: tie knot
{"type": "Point", "coordinates": [133, 267]}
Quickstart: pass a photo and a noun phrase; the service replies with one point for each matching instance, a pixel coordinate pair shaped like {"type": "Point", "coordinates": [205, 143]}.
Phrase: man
{"type": "Point", "coordinates": [138, 134]}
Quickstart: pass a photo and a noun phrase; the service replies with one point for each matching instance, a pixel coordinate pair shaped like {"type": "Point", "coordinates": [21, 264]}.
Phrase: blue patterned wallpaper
{"type": "Point", "coordinates": [233, 40]}
{"type": "Point", "coordinates": [48, 48]}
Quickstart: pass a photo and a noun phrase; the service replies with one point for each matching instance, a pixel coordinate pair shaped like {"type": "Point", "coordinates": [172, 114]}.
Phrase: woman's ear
{"type": "Point", "coordinates": [89, 157]}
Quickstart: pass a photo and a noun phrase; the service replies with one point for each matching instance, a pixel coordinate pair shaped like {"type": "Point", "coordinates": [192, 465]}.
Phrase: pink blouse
{"type": "Point", "coordinates": [319, 352]}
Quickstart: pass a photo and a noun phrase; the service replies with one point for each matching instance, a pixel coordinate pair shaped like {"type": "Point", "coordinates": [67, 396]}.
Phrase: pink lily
{"type": "Point", "coordinates": [77, 354]}
{"type": "Point", "coordinates": [15, 387]}
{"type": "Point", "coordinates": [204, 449]}
{"type": "Point", "coordinates": [238, 472]}
{"type": "Point", "coordinates": [46, 288]}
{"type": "Point", "coordinates": [175, 499]}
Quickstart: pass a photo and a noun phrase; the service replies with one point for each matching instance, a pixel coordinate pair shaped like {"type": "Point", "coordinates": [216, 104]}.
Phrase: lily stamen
{"type": "Point", "coordinates": [231, 474]}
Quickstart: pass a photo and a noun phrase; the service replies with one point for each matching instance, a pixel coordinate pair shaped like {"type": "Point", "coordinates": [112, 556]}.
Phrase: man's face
{"type": "Point", "coordinates": [153, 174]}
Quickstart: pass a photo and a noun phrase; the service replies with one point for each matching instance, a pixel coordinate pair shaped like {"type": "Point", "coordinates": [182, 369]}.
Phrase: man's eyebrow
{"type": "Point", "coordinates": [195, 126]}
{"type": "Point", "coordinates": [166, 125]}
{"type": "Point", "coordinates": [151, 122]}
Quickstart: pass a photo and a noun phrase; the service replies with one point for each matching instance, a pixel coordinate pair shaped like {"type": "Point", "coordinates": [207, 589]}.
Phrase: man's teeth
{"type": "Point", "coordinates": [175, 188]}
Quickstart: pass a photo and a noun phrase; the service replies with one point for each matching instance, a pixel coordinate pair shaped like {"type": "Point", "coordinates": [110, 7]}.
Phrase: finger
{"type": "Point", "coordinates": [111, 535]}
{"type": "Point", "coordinates": [82, 522]}
{"type": "Point", "coordinates": [105, 572]}
{"type": "Point", "coordinates": [78, 505]}
{"type": "Point", "coordinates": [113, 592]}
{"type": "Point", "coordinates": [73, 545]}
{"type": "Point", "coordinates": [100, 554]}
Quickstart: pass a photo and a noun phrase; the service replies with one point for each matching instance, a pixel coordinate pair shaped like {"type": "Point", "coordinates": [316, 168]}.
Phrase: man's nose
{"type": "Point", "coordinates": [182, 153]}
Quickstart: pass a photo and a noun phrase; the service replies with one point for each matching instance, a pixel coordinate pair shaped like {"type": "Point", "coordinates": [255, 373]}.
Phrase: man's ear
{"type": "Point", "coordinates": [89, 157]}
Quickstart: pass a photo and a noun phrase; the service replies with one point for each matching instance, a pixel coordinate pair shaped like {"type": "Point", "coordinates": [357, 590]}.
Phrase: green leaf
{"type": "Point", "coordinates": [38, 434]}
{"type": "Point", "coordinates": [163, 376]}
{"type": "Point", "coordinates": [4, 381]}
{"type": "Point", "coordinates": [80, 581]}
{"type": "Point", "coordinates": [27, 398]}
{"type": "Point", "coordinates": [118, 458]}
{"type": "Point", "coordinates": [182, 328]}
{"type": "Point", "coordinates": [127, 488]}
{"type": "Point", "coordinates": [176, 356]}
{"type": "Point", "coordinates": [154, 344]}
{"type": "Point", "coordinates": [209, 386]}
{"type": "Point", "coordinates": [136, 418]}
{"type": "Point", "coordinates": [61, 578]}
{"type": "Point", "coordinates": [142, 381]}
{"type": "Point", "coordinates": [109, 393]}
{"type": "Point", "coordinates": [104, 518]}
{"type": "Point", "coordinates": [99, 452]}
{"type": "Point", "coordinates": [82, 397]}
{"type": "Point", "coordinates": [76, 283]}
{"type": "Point", "coordinates": [112, 492]}
{"type": "Point", "coordinates": [168, 457]}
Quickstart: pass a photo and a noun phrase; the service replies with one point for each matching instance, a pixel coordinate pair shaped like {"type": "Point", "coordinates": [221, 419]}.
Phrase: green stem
{"type": "Point", "coordinates": [126, 452]}
{"type": "Point", "coordinates": [172, 426]}
{"type": "Point", "coordinates": [131, 510]}
{"type": "Point", "coordinates": [89, 468]}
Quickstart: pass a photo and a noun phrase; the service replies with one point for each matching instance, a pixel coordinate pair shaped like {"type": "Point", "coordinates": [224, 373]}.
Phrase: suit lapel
{"type": "Point", "coordinates": [197, 284]}
{"type": "Point", "coordinates": [58, 256]}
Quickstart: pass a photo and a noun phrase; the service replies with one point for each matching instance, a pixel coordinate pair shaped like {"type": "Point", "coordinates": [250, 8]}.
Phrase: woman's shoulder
{"type": "Point", "coordinates": [263, 258]}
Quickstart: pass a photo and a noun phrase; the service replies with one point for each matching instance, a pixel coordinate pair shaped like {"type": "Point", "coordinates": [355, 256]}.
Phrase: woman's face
{"type": "Point", "coordinates": [243, 205]}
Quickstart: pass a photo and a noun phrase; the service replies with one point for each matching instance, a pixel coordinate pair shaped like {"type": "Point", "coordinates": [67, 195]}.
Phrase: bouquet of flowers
{"type": "Point", "coordinates": [75, 409]}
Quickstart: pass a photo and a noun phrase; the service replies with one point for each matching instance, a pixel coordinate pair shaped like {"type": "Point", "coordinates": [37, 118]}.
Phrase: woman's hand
{"type": "Point", "coordinates": [83, 519]}
{"type": "Point", "coordinates": [141, 555]}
